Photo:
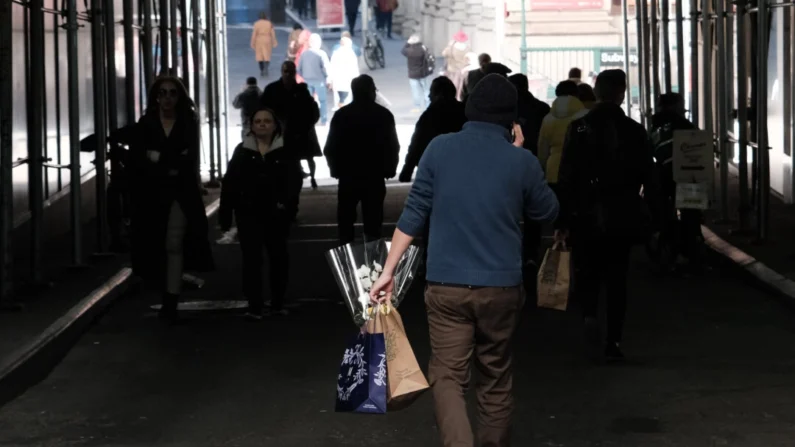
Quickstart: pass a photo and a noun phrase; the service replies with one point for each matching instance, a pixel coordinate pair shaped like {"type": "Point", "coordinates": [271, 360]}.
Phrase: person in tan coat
{"type": "Point", "coordinates": [263, 41]}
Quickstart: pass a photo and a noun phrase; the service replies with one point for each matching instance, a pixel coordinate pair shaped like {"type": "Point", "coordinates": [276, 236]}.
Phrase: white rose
{"type": "Point", "coordinates": [366, 283]}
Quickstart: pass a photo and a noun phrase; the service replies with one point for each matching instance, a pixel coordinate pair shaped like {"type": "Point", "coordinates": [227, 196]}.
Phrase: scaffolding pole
{"type": "Point", "coordinates": [646, 67]}
{"type": "Point", "coordinates": [213, 15]}
{"type": "Point", "coordinates": [763, 36]}
{"type": "Point", "coordinates": [100, 126]}
{"type": "Point", "coordinates": [173, 34]}
{"type": "Point", "coordinates": [744, 209]}
{"type": "Point", "coordinates": [666, 43]}
{"type": "Point", "coordinates": [210, 63]}
{"type": "Point", "coordinates": [627, 64]}
{"type": "Point", "coordinates": [184, 44]}
{"type": "Point", "coordinates": [680, 48]}
{"type": "Point", "coordinates": [787, 86]}
{"type": "Point", "coordinates": [654, 28]}
{"type": "Point", "coordinates": [73, 81]}
{"type": "Point", "coordinates": [36, 138]}
{"type": "Point", "coordinates": [148, 50]}
{"type": "Point", "coordinates": [641, 61]}
{"type": "Point", "coordinates": [225, 83]}
{"type": "Point", "coordinates": [723, 95]}
{"type": "Point", "coordinates": [694, 78]}
{"type": "Point", "coordinates": [791, 101]}
{"type": "Point", "coordinates": [129, 63]}
{"type": "Point", "coordinates": [110, 58]}
{"type": "Point", "coordinates": [195, 42]}
{"type": "Point", "coordinates": [6, 163]}
{"type": "Point", "coordinates": [162, 27]}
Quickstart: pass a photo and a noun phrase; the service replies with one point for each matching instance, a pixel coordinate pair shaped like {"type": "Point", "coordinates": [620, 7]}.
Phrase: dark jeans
{"type": "Point", "coordinates": [383, 20]}
{"type": "Point", "coordinates": [371, 193]}
{"type": "Point", "coordinates": [351, 16]}
{"type": "Point", "coordinates": [597, 263]}
{"type": "Point", "coordinates": [268, 233]}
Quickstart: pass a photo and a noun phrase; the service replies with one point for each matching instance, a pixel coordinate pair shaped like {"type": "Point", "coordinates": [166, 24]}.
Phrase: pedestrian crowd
{"type": "Point", "coordinates": [492, 167]}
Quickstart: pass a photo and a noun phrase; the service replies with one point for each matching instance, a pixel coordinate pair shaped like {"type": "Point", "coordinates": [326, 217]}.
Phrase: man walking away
{"type": "Point", "coordinates": [351, 12]}
{"type": "Point", "coordinates": [474, 76]}
{"type": "Point", "coordinates": [607, 159]}
{"type": "Point", "coordinates": [575, 75]}
{"type": "Point", "coordinates": [362, 150]}
{"type": "Point", "coordinates": [417, 61]}
{"type": "Point", "coordinates": [313, 66]}
{"type": "Point", "coordinates": [683, 235]}
{"type": "Point", "coordinates": [247, 101]}
{"type": "Point", "coordinates": [474, 295]}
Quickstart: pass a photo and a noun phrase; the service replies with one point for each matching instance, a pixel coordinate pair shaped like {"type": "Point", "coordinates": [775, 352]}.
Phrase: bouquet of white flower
{"type": "Point", "coordinates": [357, 267]}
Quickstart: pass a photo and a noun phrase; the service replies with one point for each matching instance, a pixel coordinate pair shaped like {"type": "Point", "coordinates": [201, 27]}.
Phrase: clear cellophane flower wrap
{"type": "Point", "coordinates": [357, 267]}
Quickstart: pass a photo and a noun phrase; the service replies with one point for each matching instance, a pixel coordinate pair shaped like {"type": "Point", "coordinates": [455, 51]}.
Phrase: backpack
{"type": "Point", "coordinates": [430, 60]}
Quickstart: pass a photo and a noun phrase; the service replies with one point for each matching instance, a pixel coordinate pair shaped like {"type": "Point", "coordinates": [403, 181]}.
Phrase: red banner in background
{"type": "Point", "coordinates": [330, 13]}
{"type": "Point", "coordinates": [566, 5]}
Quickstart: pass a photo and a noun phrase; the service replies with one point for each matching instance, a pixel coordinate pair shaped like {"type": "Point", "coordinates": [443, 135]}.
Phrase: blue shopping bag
{"type": "Point", "coordinates": [362, 380]}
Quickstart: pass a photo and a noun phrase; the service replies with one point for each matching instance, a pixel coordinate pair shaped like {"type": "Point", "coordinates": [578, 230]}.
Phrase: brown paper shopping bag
{"type": "Point", "coordinates": [554, 278]}
{"type": "Point", "coordinates": [406, 380]}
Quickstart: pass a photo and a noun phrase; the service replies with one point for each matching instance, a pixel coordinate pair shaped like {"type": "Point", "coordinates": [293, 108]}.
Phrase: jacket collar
{"type": "Point", "coordinates": [488, 128]}
{"type": "Point", "coordinates": [250, 143]}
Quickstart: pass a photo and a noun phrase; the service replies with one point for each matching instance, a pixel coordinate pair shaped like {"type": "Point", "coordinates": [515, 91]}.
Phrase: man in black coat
{"type": "Point", "coordinates": [247, 102]}
{"type": "Point", "coordinates": [607, 162]}
{"type": "Point", "coordinates": [362, 150]}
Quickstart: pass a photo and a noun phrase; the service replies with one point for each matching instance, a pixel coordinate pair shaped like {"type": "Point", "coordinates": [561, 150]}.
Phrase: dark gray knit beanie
{"type": "Point", "coordinates": [493, 100]}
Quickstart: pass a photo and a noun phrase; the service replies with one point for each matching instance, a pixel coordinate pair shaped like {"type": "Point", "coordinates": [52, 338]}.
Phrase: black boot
{"type": "Point", "coordinates": [262, 69]}
{"type": "Point", "coordinates": [168, 309]}
{"type": "Point", "coordinates": [265, 70]}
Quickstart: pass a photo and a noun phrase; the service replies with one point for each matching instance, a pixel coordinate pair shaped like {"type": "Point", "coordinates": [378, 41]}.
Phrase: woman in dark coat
{"type": "Point", "coordinates": [169, 225]}
{"type": "Point", "coordinates": [260, 191]}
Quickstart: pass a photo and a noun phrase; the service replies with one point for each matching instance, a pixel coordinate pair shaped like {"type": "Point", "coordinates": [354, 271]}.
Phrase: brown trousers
{"type": "Point", "coordinates": [465, 321]}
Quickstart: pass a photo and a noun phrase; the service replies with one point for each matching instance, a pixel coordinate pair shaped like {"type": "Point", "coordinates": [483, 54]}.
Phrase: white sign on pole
{"type": "Point", "coordinates": [692, 196]}
{"type": "Point", "coordinates": [693, 157]}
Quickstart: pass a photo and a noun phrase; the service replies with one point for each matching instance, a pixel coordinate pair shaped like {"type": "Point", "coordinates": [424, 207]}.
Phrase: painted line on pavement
{"type": "Point", "coordinates": [34, 361]}
{"type": "Point", "coordinates": [751, 265]}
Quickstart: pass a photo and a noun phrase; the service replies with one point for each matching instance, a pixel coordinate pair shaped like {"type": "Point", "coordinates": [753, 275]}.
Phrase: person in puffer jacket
{"type": "Point", "coordinates": [565, 109]}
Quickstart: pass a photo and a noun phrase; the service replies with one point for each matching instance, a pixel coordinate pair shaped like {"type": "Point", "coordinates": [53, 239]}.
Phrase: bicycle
{"type": "Point", "coordinates": [373, 51]}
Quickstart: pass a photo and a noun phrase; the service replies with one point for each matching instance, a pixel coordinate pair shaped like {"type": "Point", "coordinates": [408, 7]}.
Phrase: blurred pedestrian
{"type": "Point", "coordinates": [476, 187]}
{"type": "Point", "coordinates": [344, 69]}
{"type": "Point", "coordinates": [362, 150]}
{"type": "Point", "coordinates": [419, 73]}
{"type": "Point", "coordinates": [169, 225]}
{"type": "Point", "coordinates": [565, 109]}
{"type": "Point", "coordinates": [586, 96]}
{"type": "Point", "coordinates": [247, 102]}
{"type": "Point", "coordinates": [455, 58]}
{"type": "Point", "coordinates": [575, 75]}
{"type": "Point", "coordinates": [383, 16]}
{"type": "Point", "coordinates": [313, 66]}
{"type": "Point", "coordinates": [263, 41]}
{"type": "Point", "coordinates": [293, 44]}
{"type": "Point", "coordinates": [475, 74]}
{"type": "Point", "coordinates": [259, 190]}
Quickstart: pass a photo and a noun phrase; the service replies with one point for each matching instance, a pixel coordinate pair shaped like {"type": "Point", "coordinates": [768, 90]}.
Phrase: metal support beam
{"type": "Point", "coordinates": [523, 48]}
{"type": "Point", "coordinates": [6, 148]}
{"type": "Point", "coordinates": [707, 49]}
{"type": "Point", "coordinates": [654, 29]}
{"type": "Point", "coordinates": [147, 47]}
{"type": "Point", "coordinates": [680, 49]}
{"type": "Point", "coordinates": [174, 37]}
{"type": "Point", "coordinates": [763, 29]}
{"type": "Point", "coordinates": [162, 30]}
{"type": "Point", "coordinates": [196, 37]}
{"type": "Point", "coordinates": [786, 83]}
{"type": "Point", "coordinates": [73, 81]}
{"type": "Point", "coordinates": [36, 138]}
{"type": "Point", "coordinates": [641, 61]}
{"type": "Point", "coordinates": [184, 43]}
{"type": "Point", "coordinates": [100, 125]}
{"type": "Point", "coordinates": [627, 63]}
{"type": "Point", "coordinates": [742, 117]}
{"type": "Point", "coordinates": [210, 63]}
{"type": "Point", "coordinates": [110, 59]}
{"type": "Point", "coordinates": [213, 16]}
{"type": "Point", "coordinates": [666, 44]}
{"type": "Point", "coordinates": [723, 95]}
{"type": "Point", "coordinates": [129, 63]}
{"type": "Point", "coordinates": [225, 83]}
{"type": "Point", "coordinates": [646, 66]}
{"type": "Point", "coordinates": [694, 78]}
{"type": "Point", "coordinates": [791, 100]}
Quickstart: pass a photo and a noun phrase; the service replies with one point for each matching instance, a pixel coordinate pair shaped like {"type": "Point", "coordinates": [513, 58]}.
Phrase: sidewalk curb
{"type": "Point", "coordinates": [33, 361]}
{"type": "Point", "coordinates": [753, 268]}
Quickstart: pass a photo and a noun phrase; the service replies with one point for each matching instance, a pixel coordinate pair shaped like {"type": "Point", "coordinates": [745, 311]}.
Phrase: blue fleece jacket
{"type": "Point", "coordinates": [476, 187]}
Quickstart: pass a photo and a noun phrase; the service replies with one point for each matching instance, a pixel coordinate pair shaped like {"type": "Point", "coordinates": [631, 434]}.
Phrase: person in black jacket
{"type": "Point", "coordinates": [607, 162]}
{"type": "Point", "coordinates": [444, 115]}
{"type": "Point", "coordinates": [682, 235]}
{"type": "Point", "coordinates": [362, 150]}
{"type": "Point", "coordinates": [259, 190]}
{"type": "Point", "coordinates": [417, 62]}
{"type": "Point", "coordinates": [168, 222]}
{"type": "Point", "coordinates": [247, 102]}
{"type": "Point", "coordinates": [299, 113]}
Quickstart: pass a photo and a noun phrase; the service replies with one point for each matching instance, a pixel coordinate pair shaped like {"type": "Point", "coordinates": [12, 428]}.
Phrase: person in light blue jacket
{"type": "Point", "coordinates": [476, 186]}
